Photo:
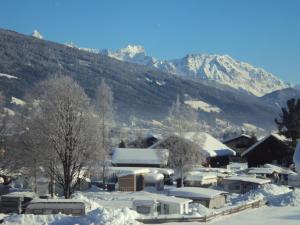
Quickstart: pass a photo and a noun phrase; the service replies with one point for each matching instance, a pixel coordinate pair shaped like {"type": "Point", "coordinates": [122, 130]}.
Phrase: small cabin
{"type": "Point", "coordinates": [242, 184]}
{"type": "Point", "coordinates": [210, 198]}
{"type": "Point", "coordinates": [128, 178]}
{"type": "Point", "coordinates": [55, 206]}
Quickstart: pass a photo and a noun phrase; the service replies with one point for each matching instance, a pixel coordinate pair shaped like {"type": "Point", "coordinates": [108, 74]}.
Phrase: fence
{"type": "Point", "coordinates": [232, 210]}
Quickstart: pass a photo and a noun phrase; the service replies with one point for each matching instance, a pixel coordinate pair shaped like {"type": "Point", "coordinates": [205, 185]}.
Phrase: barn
{"type": "Point", "coordinates": [272, 149]}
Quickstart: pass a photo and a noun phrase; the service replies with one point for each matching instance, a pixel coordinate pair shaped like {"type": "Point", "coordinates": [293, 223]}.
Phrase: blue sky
{"type": "Point", "coordinates": [265, 33]}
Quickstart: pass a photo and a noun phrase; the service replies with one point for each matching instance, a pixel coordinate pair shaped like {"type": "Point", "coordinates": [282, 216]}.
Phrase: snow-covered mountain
{"type": "Point", "coordinates": [220, 68]}
{"type": "Point", "coordinates": [297, 86]}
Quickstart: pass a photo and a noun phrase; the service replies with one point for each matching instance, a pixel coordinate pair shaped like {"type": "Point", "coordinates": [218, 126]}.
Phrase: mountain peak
{"type": "Point", "coordinates": [37, 34]}
{"type": "Point", "coordinates": [132, 50]}
{"type": "Point", "coordinates": [220, 68]}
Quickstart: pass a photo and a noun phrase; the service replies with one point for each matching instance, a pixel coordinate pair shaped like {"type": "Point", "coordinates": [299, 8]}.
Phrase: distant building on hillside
{"type": "Point", "coordinates": [272, 149]}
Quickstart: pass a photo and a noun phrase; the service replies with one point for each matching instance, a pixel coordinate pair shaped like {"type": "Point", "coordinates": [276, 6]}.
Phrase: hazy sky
{"type": "Point", "coordinates": [265, 33]}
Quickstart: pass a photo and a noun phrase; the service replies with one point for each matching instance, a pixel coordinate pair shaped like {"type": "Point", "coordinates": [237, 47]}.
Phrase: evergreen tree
{"type": "Point", "coordinates": [289, 121]}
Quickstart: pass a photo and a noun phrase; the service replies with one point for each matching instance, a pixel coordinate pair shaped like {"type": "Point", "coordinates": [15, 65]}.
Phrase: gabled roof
{"type": "Point", "coordinates": [208, 145]}
{"type": "Point", "coordinates": [248, 179]}
{"type": "Point", "coordinates": [237, 137]}
{"type": "Point", "coordinates": [140, 156]}
{"type": "Point", "coordinates": [279, 137]}
{"type": "Point", "coordinates": [195, 192]}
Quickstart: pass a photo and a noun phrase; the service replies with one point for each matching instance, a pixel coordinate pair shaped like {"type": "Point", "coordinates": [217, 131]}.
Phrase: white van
{"type": "Point", "coordinates": [55, 206]}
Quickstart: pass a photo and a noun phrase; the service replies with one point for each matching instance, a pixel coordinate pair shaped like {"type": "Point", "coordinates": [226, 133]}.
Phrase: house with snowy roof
{"type": "Point", "coordinates": [242, 184]}
{"type": "Point", "coordinates": [139, 157]}
{"type": "Point", "coordinates": [214, 152]}
{"type": "Point", "coordinates": [240, 144]}
{"type": "Point", "coordinates": [272, 149]}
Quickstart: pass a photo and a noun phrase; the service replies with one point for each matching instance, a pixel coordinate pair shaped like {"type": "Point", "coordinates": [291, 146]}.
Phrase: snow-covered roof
{"type": "Point", "coordinates": [125, 171]}
{"type": "Point", "coordinates": [195, 192]}
{"type": "Point", "coordinates": [56, 203]}
{"type": "Point", "coordinates": [236, 137]}
{"type": "Point", "coordinates": [269, 169]}
{"type": "Point", "coordinates": [200, 176]}
{"type": "Point", "coordinates": [208, 144]}
{"type": "Point", "coordinates": [153, 177]}
{"type": "Point", "coordinates": [140, 156]}
{"type": "Point", "coordinates": [277, 136]}
{"type": "Point", "coordinates": [119, 170]}
{"type": "Point", "coordinates": [21, 194]}
{"type": "Point", "coordinates": [248, 179]}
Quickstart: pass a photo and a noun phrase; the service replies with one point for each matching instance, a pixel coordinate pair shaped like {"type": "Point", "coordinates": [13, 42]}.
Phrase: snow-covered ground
{"type": "Point", "coordinates": [288, 215]}
{"type": "Point", "coordinates": [113, 209]}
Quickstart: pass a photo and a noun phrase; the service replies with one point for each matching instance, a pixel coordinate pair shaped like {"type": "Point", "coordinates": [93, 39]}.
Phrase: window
{"type": "Point", "coordinates": [166, 209]}
{"type": "Point", "coordinates": [37, 211]}
{"type": "Point", "coordinates": [143, 209]}
{"type": "Point", "coordinates": [76, 211]}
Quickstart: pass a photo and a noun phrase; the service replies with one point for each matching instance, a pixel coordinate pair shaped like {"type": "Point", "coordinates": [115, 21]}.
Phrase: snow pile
{"type": "Point", "coordinates": [197, 209]}
{"type": "Point", "coordinates": [99, 216]}
{"type": "Point", "coordinates": [273, 194]}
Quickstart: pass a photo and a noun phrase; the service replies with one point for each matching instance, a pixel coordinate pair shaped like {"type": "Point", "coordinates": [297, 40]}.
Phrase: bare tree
{"type": "Point", "coordinates": [62, 119]}
{"type": "Point", "coordinates": [182, 118]}
{"type": "Point", "coordinates": [105, 111]}
{"type": "Point", "coordinates": [183, 153]}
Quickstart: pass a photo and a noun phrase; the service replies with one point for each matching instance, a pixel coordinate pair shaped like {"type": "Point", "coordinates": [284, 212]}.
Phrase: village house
{"type": "Point", "coordinates": [242, 184]}
{"type": "Point", "coordinates": [214, 153]}
{"type": "Point", "coordinates": [240, 144]}
{"type": "Point", "coordinates": [210, 198]}
{"type": "Point", "coordinates": [272, 149]}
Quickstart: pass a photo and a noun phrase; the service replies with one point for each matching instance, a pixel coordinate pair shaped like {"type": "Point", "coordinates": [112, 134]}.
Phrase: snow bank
{"type": "Point", "coordinates": [274, 195]}
{"type": "Point", "coordinates": [99, 216]}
